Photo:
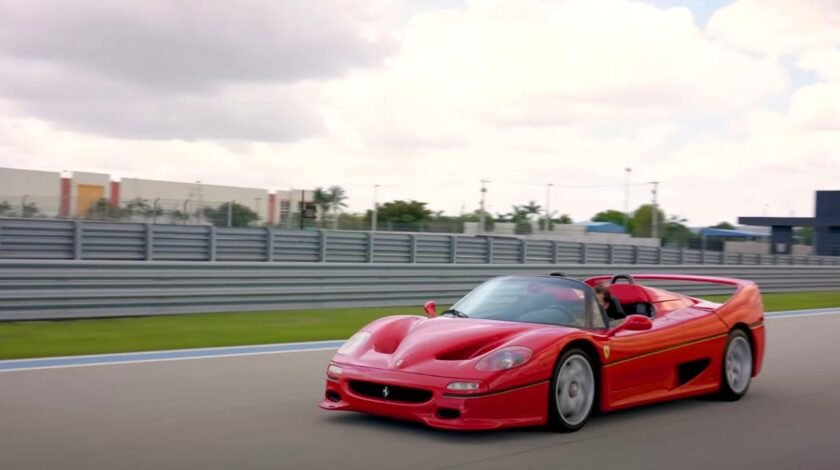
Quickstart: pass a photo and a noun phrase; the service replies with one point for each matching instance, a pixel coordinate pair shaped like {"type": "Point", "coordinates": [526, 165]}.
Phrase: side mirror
{"type": "Point", "coordinates": [430, 307]}
{"type": "Point", "coordinates": [632, 323]}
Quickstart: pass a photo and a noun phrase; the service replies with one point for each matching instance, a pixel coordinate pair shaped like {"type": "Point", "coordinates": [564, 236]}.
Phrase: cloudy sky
{"type": "Point", "coordinates": [733, 105]}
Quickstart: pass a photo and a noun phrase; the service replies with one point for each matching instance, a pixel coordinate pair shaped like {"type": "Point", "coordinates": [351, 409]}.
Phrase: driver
{"type": "Point", "coordinates": [608, 302]}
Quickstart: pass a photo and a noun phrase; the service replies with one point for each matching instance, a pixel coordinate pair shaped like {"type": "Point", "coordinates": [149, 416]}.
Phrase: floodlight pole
{"type": "Point", "coordinates": [548, 207]}
{"type": "Point", "coordinates": [302, 206]}
{"type": "Point", "coordinates": [654, 214]}
{"type": "Point", "coordinates": [627, 172]}
{"type": "Point", "coordinates": [373, 214]}
{"type": "Point", "coordinates": [482, 217]}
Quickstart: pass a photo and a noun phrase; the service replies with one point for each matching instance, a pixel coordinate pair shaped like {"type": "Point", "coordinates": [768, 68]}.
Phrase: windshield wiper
{"type": "Point", "coordinates": [455, 313]}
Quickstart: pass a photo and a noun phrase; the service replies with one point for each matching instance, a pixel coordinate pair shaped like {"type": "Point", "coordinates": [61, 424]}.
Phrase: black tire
{"type": "Point", "coordinates": [556, 420]}
{"type": "Point", "coordinates": [734, 386]}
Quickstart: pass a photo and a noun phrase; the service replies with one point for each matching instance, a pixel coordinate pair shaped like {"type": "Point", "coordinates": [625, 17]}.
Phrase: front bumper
{"type": "Point", "coordinates": [522, 406]}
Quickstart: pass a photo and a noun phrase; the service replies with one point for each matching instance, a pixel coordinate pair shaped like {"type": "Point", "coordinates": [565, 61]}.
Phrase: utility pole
{"type": "Point", "coordinates": [482, 217]}
{"type": "Point", "coordinates": [548, 207]}
{"type": "Point", "coordinates": [186, 214]}
{"type": "Point", "coordinates": [654, 213]}
{"type": "Point", "coordinates": [375, 208]}
{"type": "Point", "coordinates": [302, 206]}
{"type": "Point", "coordinates": [627, 172]}
{"type": "Point", "coordinates": [200, 190]}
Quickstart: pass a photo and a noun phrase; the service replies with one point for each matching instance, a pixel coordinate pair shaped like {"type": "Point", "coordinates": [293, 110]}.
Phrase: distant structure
{"type": "Point", "coordinates": [75, 194]}
{"type": "Point", "coordinates": [826, 225]}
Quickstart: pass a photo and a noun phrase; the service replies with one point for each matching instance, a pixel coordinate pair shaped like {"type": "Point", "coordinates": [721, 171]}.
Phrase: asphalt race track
{"type": "Point", "coordinates": [261, 412]}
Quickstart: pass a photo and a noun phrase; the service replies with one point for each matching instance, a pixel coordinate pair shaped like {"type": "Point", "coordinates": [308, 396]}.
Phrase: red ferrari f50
{"type": "Point", "coordinates": [541, 350]}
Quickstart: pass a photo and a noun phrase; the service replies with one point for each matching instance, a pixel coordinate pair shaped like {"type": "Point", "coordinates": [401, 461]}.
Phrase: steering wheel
{"type": "Point", "coordinates": [567, 314]}
{"type": "Point", "coordinates": [626, 277]}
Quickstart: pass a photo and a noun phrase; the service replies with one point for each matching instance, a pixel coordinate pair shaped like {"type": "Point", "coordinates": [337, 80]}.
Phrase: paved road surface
{"type": "Point", "coordinates": [260, 412]}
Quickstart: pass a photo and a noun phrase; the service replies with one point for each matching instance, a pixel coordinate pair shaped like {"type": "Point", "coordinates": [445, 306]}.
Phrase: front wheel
{"type": "Point", "coordinates": [572, 394]}
{"type": "Point", "coordinates": [736, 372]}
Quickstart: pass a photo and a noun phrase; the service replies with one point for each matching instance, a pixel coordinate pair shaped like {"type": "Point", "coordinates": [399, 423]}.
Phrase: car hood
{"type": "Point", "coordinates": [445, 346]}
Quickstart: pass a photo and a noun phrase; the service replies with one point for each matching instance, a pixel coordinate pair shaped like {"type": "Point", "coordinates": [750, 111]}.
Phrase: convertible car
{"type": "Point", "coordinates": [542, 350]}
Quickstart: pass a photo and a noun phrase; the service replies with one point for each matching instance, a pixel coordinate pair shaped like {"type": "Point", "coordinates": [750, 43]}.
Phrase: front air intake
{"type": "Point", "coordinates": [388, 392]}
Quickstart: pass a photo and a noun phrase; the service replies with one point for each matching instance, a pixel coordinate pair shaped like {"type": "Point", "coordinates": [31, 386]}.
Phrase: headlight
{"type": "Point", "coordinates": [462, 386]}
{"type": "Point", "coordinates": [353, 343]}
{"type": "Point", "coordinates": [506, 358]}
{"type": "Point", "coordinates": [333, 371]}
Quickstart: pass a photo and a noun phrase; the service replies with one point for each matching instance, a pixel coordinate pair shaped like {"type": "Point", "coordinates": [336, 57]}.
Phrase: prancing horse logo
{"type": "Point", "coordinates": [385, 392]}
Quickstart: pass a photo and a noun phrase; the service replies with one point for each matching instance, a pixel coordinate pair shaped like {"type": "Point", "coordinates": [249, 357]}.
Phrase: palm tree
{"type": "Point", "coordinates": [532, 208]}
{"type": "Point", "coordinates": [337, 196]}
{"type": "Point", "coordinates": [323, 199]}
{"type": "Point", "coordinates": [329, 201]}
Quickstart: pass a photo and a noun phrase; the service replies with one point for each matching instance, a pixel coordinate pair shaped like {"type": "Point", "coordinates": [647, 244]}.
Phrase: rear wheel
{"type": "Point", "coordinates": [736, 372]}
{"type": "Point", "coordinates": [572, 394]}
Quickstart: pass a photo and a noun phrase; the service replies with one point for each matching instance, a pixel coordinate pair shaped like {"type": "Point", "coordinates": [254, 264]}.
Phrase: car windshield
{"type": "Point", "coordinates": [549, 300]}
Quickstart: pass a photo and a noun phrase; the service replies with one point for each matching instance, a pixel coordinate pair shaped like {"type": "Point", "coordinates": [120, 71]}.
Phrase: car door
{"type": "Point", "coordinates": [678, 355]}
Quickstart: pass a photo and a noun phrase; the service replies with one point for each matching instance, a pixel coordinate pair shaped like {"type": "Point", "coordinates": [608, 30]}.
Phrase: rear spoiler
{"type": "Point", "coordinates": [745, 305]}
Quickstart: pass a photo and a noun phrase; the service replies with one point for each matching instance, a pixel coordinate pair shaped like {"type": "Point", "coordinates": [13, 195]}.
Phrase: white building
{"type": "Point", "coordinates": [25, 187]}
{"type": "Point", "coordinates": [78, 194]}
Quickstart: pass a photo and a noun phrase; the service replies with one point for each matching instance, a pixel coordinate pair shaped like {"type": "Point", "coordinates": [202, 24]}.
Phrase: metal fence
{"type": "Point", "coordinates": [80, 289]}
{"type": "Point", "coordinates": [81, 240]}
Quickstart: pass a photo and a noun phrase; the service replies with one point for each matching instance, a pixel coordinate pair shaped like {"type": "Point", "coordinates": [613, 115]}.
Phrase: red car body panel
{"type": "Point", "coordinates": [680, 356]}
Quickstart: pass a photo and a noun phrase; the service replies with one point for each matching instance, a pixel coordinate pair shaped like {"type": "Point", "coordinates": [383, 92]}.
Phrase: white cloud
{"type": "Point", "coordinates": [778, 27]}
{"type": "Point", "coordinates": [569, 92]}
{"type": "Point", "coordinates": [817, 107]}
{"type": "Point", "coordinates": [825, 62]}
{"type": "Point", "coordinates": [537, 63]}
{"type": "Point", "coordinates": [192, 69]}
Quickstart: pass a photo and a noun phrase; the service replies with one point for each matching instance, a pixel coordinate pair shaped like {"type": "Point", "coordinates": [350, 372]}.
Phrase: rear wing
{"type": "Point", "coordinates": [745, 305]}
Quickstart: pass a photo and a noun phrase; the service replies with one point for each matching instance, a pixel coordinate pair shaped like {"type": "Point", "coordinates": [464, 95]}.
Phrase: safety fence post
{"type": "Point", "coordinates": [269, 244]}
{"type": "Point", "coordinates": [77, 239]}
{"type": "Point", "coordinates": [150, 242]}
{"type": "Point", "coordinates": [322, 246]}
{"type": "Point", "coordinates": [211, 238]}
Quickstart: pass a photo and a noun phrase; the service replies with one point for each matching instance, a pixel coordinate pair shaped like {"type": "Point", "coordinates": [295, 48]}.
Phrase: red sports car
{"type": "Point", "coordinates": [543, 350]}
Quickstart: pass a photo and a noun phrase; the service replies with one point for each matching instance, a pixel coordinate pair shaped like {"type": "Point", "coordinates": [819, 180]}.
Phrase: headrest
{"type": "Point", "coordinates": [629, 293]}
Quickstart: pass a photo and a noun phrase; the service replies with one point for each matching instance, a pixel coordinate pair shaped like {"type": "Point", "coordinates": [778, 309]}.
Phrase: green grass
{"type": "Point", "coordinates": [72, 337]}
{"type": "Point", "coordinates": [792, 300]}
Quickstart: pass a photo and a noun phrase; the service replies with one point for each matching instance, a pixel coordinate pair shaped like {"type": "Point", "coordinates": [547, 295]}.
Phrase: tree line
{"type": "Point", "coordinates": [408, 215]}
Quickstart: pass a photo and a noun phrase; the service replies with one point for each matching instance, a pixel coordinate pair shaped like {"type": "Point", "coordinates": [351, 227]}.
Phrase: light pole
{"type": "Point", "coordinates": [186, 214]}
{"type": "Point", "coordinates": [155, 210]}
{"type": "Point", "coordinates": [548, 207]}
{"type": "Point", "coordinates": [482, 217]}
{"type": "Point", "coordinates": [654, 213]}
{"type": "Point", "coordinates": [627, 172]}
{"type": "Point", "coordinates": [375, 208]}
{"type": "Point", "coordinates": [200, 210]}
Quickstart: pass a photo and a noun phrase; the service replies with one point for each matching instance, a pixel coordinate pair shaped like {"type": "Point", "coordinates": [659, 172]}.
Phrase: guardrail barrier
{"type": "Point", "coordinates": [32, 289]}
{"type": "Point", "coordinates": [83, 240]}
